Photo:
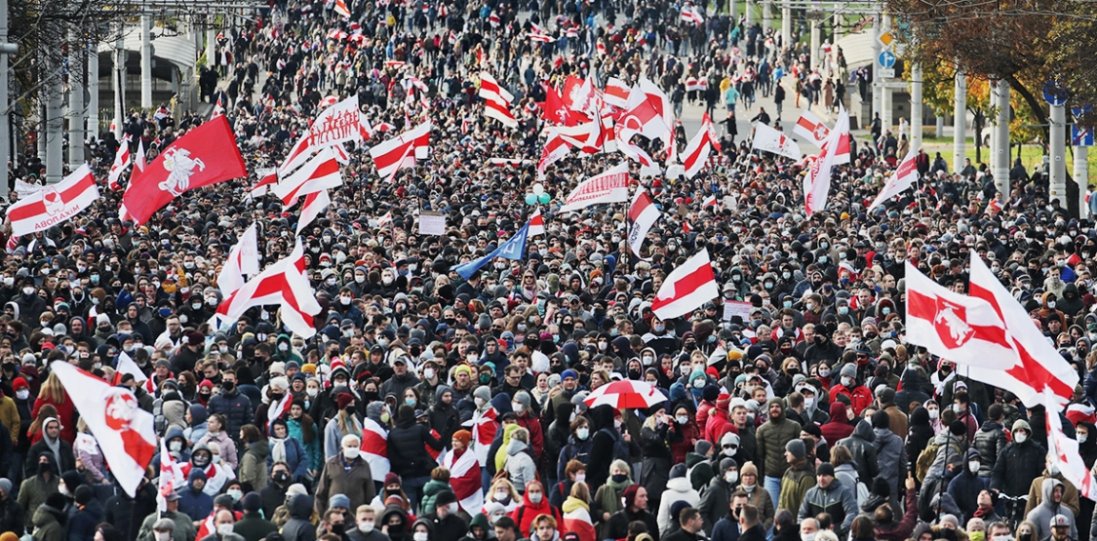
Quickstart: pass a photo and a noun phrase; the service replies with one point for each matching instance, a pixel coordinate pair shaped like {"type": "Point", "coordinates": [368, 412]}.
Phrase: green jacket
{"type": "Point", "coordinates": [794, 484]}
{"type": "Point", "coordinates": [772, 437]}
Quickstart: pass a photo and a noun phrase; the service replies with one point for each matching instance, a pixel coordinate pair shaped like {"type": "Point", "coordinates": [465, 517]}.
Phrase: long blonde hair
{"type": "Point", "coordinates": [52, 390]}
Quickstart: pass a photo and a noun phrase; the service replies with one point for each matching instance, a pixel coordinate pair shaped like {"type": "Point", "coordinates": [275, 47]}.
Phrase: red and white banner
{"type": "Point", "coordinates": [691, 14]}
{"type": "Point", "coordinates": [811, 128]}
{"type": "Point", "coordinates": [341, 8]}
{"type": "Point", "coordinates": [283, 283]}
{"type": "Point", "coordinates": [648, 113]}
{"type": "Point", "coordinates": [686, 288]}
{"type": "Point", "coordinates": [375, 449]}
{"type": "Point", "coordinates": [616, 93]}
{"type": "Point", "coordinates": [322, 172]}
{"type": "Point", "coordinates": [206, 155]}
{"type": "Point", "coordinates": [242, 261]}
{"type": "Point", "coordinates": [1036, 369]}
{"type": "Point", "coordinates": [696, 84]}
{"type": "Point", "coordinates": [1064, 452]}
{"type": "Point", "coordinates": [496, 100]}
{"type": "Point", "coordinates": [484, 425]}
{"type": "Point", "coordinates": [578, 521]}
{"type": "Point", "coordinates": [123, 430]}
{"type": "Point", "coordinates": [771, 140]}
{"type": "Point", "coordinates": [905, 175]}
{"type": "Point", "coordinates": [267, 179]}
{"type": "Point", "coordinates": [127, 366]}
{"type": "Point", "coordinates": [700, 147]}
{"type": "Point", "coordinates": [401, 151]}
{"type": "Point", "coordinates": [536, 224]}
{"type": "Point", "coordinates": [464, 479]}
{"type": "Point", "coordinates": [642, 214]}
{"type": "Point", "coordinates": [610, 186]}
{"type": "Point", "coordinates": [817, 180]}
{"type": "Point", "coordinates": [121, 161]}
{"type": "Point", "coordinates": [314, 206]}
{"type": "Point", "coordinates": [54, 204]}
{"type": "Point", "coordinates": [339, 123]}
{"type": "Point", "coordinates": [945, 323]}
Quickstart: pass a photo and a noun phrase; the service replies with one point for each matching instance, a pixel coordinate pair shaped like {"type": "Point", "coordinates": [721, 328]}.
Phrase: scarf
{"type": "Point", "coordinates": [611, 499]}
{"type": "Point", "coordinates": [278, 450]}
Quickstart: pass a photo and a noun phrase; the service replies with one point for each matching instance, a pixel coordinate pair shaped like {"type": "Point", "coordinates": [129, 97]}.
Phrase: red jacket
{"type": "Point", "coordinates": [66, 413]}
{"type": "Point", "coordinates": [860, 397]}
{"type": "Point", "coordinates": [718, 424]}
{"type": "Point", "coordinates": [838, 428]}
{"type": "Point", "coordinates": [524, 514]}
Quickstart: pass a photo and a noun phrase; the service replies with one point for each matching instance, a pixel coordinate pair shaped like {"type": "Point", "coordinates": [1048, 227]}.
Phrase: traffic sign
{"type": "Point", "coordinates": [888, 73]}
{"type": "Point", "coordinates": [1055, 93]}
{"type": "Point", "coordinates": [886, 38]}
{"type": "Point", "coordinates": [886, 59]}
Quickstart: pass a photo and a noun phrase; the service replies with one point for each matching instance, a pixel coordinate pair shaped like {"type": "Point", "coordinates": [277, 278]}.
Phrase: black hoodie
{"type": "Point", "coordinates": [406, 446]}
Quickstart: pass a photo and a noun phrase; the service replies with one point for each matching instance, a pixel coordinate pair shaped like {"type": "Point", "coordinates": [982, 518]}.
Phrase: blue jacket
{"type": "Point", "coordinates": [195, 503]}
{"type": "Point", "coordinates": [296, 458]}
{"type": "Point", "coordinates": [725, 529]}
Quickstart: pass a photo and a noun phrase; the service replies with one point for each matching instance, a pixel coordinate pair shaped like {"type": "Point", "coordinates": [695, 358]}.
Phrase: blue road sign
{"type": "Point", "coordinates": [886, 60]}
{"type": "Point", "coordinates": [1055, 93]}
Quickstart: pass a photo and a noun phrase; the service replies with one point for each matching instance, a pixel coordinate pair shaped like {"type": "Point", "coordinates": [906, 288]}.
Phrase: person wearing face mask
{"type": "Point", "coordinates": [29, 303]}
{"type": "Point", "coordinates": [858, 395]}
{"type": "Point", "coordinates": [407, 453]}
{"type": "Point", "coordinates": [448, 524]}
{"type": "Point", "coordinates": [169, 525]}
{"type": "Point", "coordinates": [346, 473]}
{"type": "Point", "coordinates": [1018, 463]}
{"type": "Point", "coordinates": [534, 503]}
{"type": "Point", "coordinates": [717, 494]}
{"type": "Point", "coordinates": [365, 525]}
{"type": "Point", "coordinates": [966, 486]}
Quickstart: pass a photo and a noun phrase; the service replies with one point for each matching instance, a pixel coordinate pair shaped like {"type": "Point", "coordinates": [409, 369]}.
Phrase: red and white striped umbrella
{"type": "Point", "coordinates": [624, 394]}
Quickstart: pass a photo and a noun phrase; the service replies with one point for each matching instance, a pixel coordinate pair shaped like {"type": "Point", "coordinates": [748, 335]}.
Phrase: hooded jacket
{"type": "Point", "coordinates": [861, 445]}
{"type": "Point", "coordinates": [298, 527]}
{"type": "Point", "coordinates": [989, 441]}
{"type": "Point", "coordinates": [678, 489]}
{"type": "Point", "coordinates": [407, 446]}
{"type": "Point", "coordinates": [519, 465]}
{"type": "Point", "coordinates": [1041, 516]}
{"type": "Point", "coordinates": [1017, 465]}
{"type": "Point", "coordinates": [524, 514]}
{"type": "Point", "coordinates": [772, 437]}
{"type": "Point", "coordinates": [444, 417]}
{"type": "Point", "coordinates": [838, 427]}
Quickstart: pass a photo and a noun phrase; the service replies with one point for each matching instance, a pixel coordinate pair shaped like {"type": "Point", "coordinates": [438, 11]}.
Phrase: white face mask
{"type": "Point", "coordinates": [1021, 437]}
{"type": "Point", "coordinates": [312, 392]}
{"type": "Point", "coordinates": [682, 419]}
{"type": "Point", "coordinates": [518, 408]}
{"type": "Point", "coordinates": [582, 433]}
{"type": "Point", "coordinates": [22, 394]}
{"type": "Point", "coordinates": [933, 413]}
{"type": "Point", "coordinates": [351, 453]}
{"type": "Point", "coordinates": [1082, 436]}
{"type": "Point", "coordinates": [807, 536]}
{"type": "Point", "coordinates": [973, 466]}
{"type": "Point", "coordinates": [224, 529]}
{"type": "Point", "coordinates": [366, 527]}
{"type": "Point", "coordinates": [421, 536]}
{"type": "Point", "coordinates": [479, 402]}
{"type": "Point", "coordinates": [731, 477]}
{"type": "Point", "coordinates": [581, 477]}
{"type": "Point", "coordinates": [452, 507]}
{"type": "Point", "coordinates": [535, 497]}
{"type": "Point", "coordinates": [428, 373]}
{"type": "Point", "coordinates": [809, 402]}
{"type": "Point", "coordinates": [163, 536]}
{"type": "Point", "coordinates": [501, 495]}
{"type": "Point", "coordinates": [847, 381]}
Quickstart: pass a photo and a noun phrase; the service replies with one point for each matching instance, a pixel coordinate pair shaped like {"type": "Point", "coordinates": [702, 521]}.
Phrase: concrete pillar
{"type": "Point", "coordinates": [1081, 176]}
{"type": "Point", "coordinates": [1057, 186]}
{"type": "Point", "coordinates": [118, 83]}
{"type": "Point", "coordinates": [1000, 143]}
{"type": "Point", "coordinates": [915, 106]}
{"type": "Point", "coordinates": [55, 134]}
{"type": "Point", "coordinates": [786, 24]}
{"type": "Point", "coordinates": [731, 12]}
{"type": "Point", "coordinates": [877, 90]}
{"type": "Point", "coordinates": [959, 122]}
{"type": "Point", "coordinates": [748, 13]}
{"type": "Point", "coordinates": [767, 15]}
{"type": "Point", "coordinates": [146, 62]}
{"type": "Point", "coordinates": [816, 44]}
{"type": "Point", "coordinates": [76, 112]}
{"type": "Point", "coordinates": [938, 126]}
{"type": "Point", "coordinates": [5, 115]}
{"type": "Point", "coordinates": [91, 118]}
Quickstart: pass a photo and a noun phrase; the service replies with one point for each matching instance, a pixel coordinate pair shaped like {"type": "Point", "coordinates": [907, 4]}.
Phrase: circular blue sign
{"type": "Point", "coordinates": [886, 60]}
{"type": "Point", "coordinates": [1055, 93]}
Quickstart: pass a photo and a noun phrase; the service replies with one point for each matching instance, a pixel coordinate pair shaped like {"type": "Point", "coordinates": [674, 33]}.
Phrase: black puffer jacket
{"type": "Point", "coordinates": [1017, 466]}
{"type": "Point", "coordinates": [236, 408]}
{"type": "Point", "coordinates": [406, 446]}
{"type": "Point", "coordinates": [989, 441]}
{"type": "Point", "coordinates": [861, 445]}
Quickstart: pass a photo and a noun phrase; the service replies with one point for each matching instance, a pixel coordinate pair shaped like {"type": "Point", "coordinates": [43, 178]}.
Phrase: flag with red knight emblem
{"type": "Point", "coordinates": [686, 288]}
{"type": "Point", "coordinates": [124, 431]}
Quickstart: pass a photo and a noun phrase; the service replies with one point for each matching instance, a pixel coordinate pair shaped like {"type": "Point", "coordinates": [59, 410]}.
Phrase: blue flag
{"type": "Point", "coordinates": [514, 248]}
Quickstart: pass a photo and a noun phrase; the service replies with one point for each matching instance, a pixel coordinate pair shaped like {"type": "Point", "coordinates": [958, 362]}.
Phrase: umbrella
{"type": "Point", "coordinates": [624, 394]}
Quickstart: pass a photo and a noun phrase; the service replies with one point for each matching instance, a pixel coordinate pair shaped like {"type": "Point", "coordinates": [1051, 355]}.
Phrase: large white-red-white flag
{"type": "Point", "coordinates": [314, 205]}
{"type": "Point", "coordinates": [464, 479]}
{"type": "Point", "coordinates": [610, 186]}
{"type": "Point", "coordinates": [339, 123]}
{"type": "Point", "coordinates": [616, 93]}
{"type": "Point", "coordinates": [536, 224]}
{"type": "Point", "coordinates": [374, 448]}
{"type": "Point", "coordinates": [341, 8]}
{"type": "Point", "coordinates": [648, 112]}
{"type": "Point", "coordinates": [1035, 372]}
{"type": "Point", "coordinates": [817, 180]}
{"type": "Point", "coordinates": [401, 151]}
{"type": "Point", "coordinates": [496, 100]}
{"type": "Point", "coordinates": [686, 288]}
{"type": "Point", "coordinates": [268, 178]}
{"type": "Point", "coordinates": [123, 430]}
{"type": "Point", "coordinates": [54, 204]}
{"type": "Point", "coordinates": [242, 261]}
{"type": "Point", "coordinates": [700, 147]}
{"type": "Point", "coordinates": [121, 161]}
{"type": "Point", "coordinates": [283, 283]}
{"type": "Point", "coordinates": [642, 214]}
{"type": "Point", "coordinates": [1064, 452]}
{"type": "Point", "coordinates": [768, 139]}
{"type": "Point", "coordinates": [126, 365]}
{"type": "Point", "coordinates": [946, 323]}
{"type": "Point", "coordinates": [484, 426]}
{"type": "Point", "coordinates": [905, 175]}
{"type": "Point", "coordinates": [322, 172]}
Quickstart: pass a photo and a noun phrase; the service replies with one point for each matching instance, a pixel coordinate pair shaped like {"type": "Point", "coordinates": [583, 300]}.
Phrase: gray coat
{"type": "Point", "coordinates": [891, 455]}
{"type": "Point", "coordinates": [836, 500]}
{"type": "Point", "coordinates": [1042, 515]}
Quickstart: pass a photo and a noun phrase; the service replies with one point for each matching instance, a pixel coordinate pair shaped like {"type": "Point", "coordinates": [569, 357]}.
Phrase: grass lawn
{"type": "Point", "coordinates": [1031, 154]}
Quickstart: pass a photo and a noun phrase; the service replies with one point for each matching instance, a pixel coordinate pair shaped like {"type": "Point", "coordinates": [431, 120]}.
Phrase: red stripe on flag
{"type": "Point", "coordinates": [38, 208]}
{"type": "Point", "coordinates": [688, 284]}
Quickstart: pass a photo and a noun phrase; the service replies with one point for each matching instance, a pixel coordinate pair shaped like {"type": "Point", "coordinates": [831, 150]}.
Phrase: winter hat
{"type": "Point", "coordinates": [279, 382]}
{"type": "Point", "coordinates": [463, 436]}
{"type": "Point", "coordinates": [83, 494]}
{"type": "Point", "coordinates": [886, 395]}
{"type": "Point", "coordinates": [252, 502]}
{"type": "Point", "coordinates": [1021, 424]}
{"type": "Point", "coordinates": [880, 419]}
{"type": "Point", "coordinates": [522, 397]}
{"type": "Point", "coordinates": [569, 373]}
{"type": "Point", "coordinates": [702, 447]}
{"type": "Point", "coordinates": [19, 383]}
{"type": "Point", "coordinates": [342, 400]}
{"type": "Point", "coordinates": [730, 438]}
{"type": "Point", "coordinates": [340, 501]}
{"type": "Point", "coordinates": [445, 497]}
{"type": "Point", "coordinates": [727, 463]}
{"type": "Point", "coordinates": [678, 470]}
{"type": "Point", "coordinates": [483, 392]}
{"type": "Point", "coordinates": [825, 468]}
{"type": "Point", "coordinates": [392, 478]}
{"type": "Point", "coordinates": [748, 469]}
{"type": "Point", "coordinates": [797, 448]}
{"type": "Point", "coordinates": [296, 489]}
{"type": "Point", "coordinates": [849, 370]}
{"type": "Point", "coordinates": [711, 392]}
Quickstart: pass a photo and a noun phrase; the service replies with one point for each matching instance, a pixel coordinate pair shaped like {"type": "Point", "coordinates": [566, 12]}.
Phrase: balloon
{"type": "Point", "coordinates": [544, 198]}
{"type": "Point", "coordinates": [538, 188]}
{"type": "Point", "coordinates": [531, 199]}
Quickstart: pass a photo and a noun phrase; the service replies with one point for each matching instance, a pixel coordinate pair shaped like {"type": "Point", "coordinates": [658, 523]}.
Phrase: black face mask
{"type": "Point", "coordinates": [44, 467]}
{"type": "Point", "coordinates": [280, 477]}
{"type": "Point", "coordinates": [228, 386]}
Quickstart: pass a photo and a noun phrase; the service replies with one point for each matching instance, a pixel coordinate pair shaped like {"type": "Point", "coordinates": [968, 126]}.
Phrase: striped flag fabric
{"type": "Point", "coordinates": [322, 172]}
{"type": "Point", "coordinates": [267, 179]}
{"type": "Point", "coordinates": [242, 261]}
{"type": "Point", "coordinates": [496, 100]}
{"type": "Point", "coordinates": [342, 9]}
{"type": "Point", "coordinates": [121, 161]}
{"type": "Point", "coordinates": [375, 448]}
{"type": "Point", "coordinates": [283, 283]}
{"type": "Point", "coordinates": [401, 151]}
{"type": "Point", "coordinates": [314, 206]}
{"type": "Point", "coordinates": [536, 224]}
{"type": "Point", "coordinates": [464, 479]}
{"type": "Point", "coordinates": [54, 204]}
{"type": "Point", "coordinates": [642, 214]}
{"type": "Point", "coordinates": [700, 147]}
{"type": "Point", "coordinates": [616, 93]}
{"type": "Point", "coordinates": [485, 425]}
{"type": "Point", "coordinates": [686, 288]}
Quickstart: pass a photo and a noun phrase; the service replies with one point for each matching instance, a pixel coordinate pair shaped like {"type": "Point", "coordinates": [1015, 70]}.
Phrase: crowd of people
{"type": "Point", "coordinates": [809, 419]}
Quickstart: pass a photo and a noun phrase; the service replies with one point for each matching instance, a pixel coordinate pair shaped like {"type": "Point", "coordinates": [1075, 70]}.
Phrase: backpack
{"type": "Point", "coordinates": [925, 460]}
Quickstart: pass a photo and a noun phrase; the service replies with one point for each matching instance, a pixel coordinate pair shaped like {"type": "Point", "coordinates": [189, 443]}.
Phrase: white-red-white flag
{"type": "Point", "coordinates": [536, 224]}
{"type": "Point", "coordinates": [339, 123]}
{"type": "Point", "coordinates": [768, 139]}
{"type": "Point", "coordinates": [123, 430]}
{"type": "Point", "coordinates": [374, 448]}
{"type": "Point", "coordinates": [54, 204]}
{"type": "Point", "coordinates": [484, 426]}
{"type": "Point", "coordinates": [610, 186]}
{"type": "Point", "coordinates": [268, 178]}
{"type": "Point", "coordinates": [691, 14]}
{"type": "Point", "coordinates": [817, 180]}
{"type": "Point", "coordinates": [283, 283]}
{"type": "Point", "coordinates": [121, 161]}
{"type": "Point", "coordinates": [139, 160]}
{"type": "Point", "coordinates": [1036, 373]}
{"type": "Point", "coordinates": [496, 100]}
{"type": "Point", "coordinates": [465, 479]}
{"type": "Point", "coordinates": [811, 127]}
{"type": "Point", "coordinates": [945, 323]}
{"type": "Point", "coordinates": [905, 175]}
{"type": "Point", "coordinates": [1064, 452]}
{"type": "Point", "coordinates": [342, 9]}
{"type": "Point", "coordinates": [242, 261]}
{"type": "Point", "coordinates": [616, 93]}
{"type": "Point", "coordinates": [314, 205]}
{"type": "Point", "coordinates": [648, 112]}
{"type": "Point", "coordinates": [385, 220]}
{"type": "Point", "coordinates": [401, 151]}
{"type": "Point", "coordinates": [218, 107]}
{"type": "Point", "coordinates": [700, 147]}
{"type": "Point", "coordinates": [322, 172]}
{"type": "Point", "coordinates": [127, 366]}
{"type": "Point", "coordinates": [686, 288]}
{"type": "Point", "coordinates": [642, 214]}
